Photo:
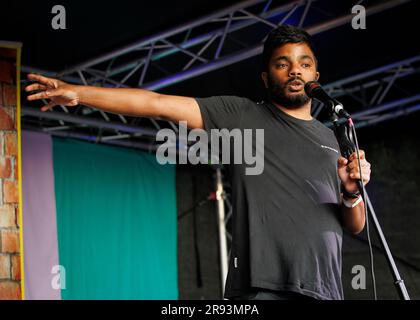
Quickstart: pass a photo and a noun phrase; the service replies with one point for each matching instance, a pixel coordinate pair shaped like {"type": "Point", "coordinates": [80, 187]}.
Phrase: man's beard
{"type": "Point", "coordinates": [279, 94]}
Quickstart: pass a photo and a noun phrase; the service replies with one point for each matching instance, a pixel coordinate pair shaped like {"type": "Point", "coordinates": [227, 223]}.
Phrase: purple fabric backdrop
{"type": "Point", "coordinates": [39, 216]}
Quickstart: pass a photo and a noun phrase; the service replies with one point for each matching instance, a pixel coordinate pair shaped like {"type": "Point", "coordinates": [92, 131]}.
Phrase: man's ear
{"type": "Point", "coordinates": [317, 76]}
{"type": "Point", "coordinates": [264, 77]}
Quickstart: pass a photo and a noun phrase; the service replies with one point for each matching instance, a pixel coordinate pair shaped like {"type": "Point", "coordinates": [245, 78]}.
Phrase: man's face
{"type": "Point", "coordinates": [290, 67]}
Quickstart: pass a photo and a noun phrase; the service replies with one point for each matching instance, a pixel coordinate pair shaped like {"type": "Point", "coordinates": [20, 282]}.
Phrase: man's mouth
{"type": "Point", "coordinates": [296, 85]}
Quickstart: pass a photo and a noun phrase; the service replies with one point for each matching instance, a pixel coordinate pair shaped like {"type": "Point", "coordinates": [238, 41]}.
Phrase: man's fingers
{"type": "Point", "coordinates": [42, 79]}
{"type": "Point", "coordinates": [356, 176]}
{"type": "Point", "coordinates": [355, 164]}
{"type": "Point", "coordinates": [342, 162]}
{"type": "Point", "coordinates": [45, 94]}
{"type": "Point", "coordinates": [365, 168]}
{"type": "Point", "coordinates": [48, 106]}
{"type": "Point", "coordinates": [38, 96]}
{"type": "Point", "coordinates": [36, 86]}
{"type": "Point", "coordinates": [355, 173]}
{"type": "Point", "coordinates": [354, 155]}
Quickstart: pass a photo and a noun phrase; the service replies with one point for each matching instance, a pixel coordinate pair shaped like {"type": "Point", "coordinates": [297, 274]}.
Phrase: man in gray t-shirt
{"type": "Point", "coordinates": [287, 223]}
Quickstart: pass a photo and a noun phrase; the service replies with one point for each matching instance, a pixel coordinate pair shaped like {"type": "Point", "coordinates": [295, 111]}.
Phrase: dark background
{"type": "Point", "coordinates": [95, 27]}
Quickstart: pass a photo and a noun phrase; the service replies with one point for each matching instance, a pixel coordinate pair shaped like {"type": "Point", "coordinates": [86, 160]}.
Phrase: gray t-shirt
{"type": "Point", "coordinates": [286, 230]}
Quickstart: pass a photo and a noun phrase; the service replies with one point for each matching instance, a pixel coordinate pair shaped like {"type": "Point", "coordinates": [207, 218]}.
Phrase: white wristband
{"type": "Point", "coordinates": [350, 205]}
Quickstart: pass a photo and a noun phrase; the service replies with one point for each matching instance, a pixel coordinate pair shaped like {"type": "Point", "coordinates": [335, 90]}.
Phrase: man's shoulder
{"type": "Point", "coordinates": [225, 111]}
{"type": "Point", "coordinates": [226, 99]}
{"type": "Point", "coordinates": [231, 104]}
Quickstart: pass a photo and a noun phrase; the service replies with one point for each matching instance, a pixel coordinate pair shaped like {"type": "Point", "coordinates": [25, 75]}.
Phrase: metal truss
{"type": "Point", "coordinates": [379, 94]}
{"type": "Point", "coordinates": [236, 33]}
{"type": "Point", "coordinates": [189, 50]}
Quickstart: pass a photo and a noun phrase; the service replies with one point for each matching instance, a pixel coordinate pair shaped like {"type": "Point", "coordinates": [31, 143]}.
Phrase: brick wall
{"type": "Point", "coordinates": [9, 222]}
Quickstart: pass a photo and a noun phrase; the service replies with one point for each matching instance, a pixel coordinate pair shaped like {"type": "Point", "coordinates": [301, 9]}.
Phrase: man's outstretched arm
{"type": "Point", "coordinates": [132, 102]}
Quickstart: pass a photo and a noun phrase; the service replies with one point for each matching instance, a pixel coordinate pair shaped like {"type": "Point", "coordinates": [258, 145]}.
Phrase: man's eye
{"type": "Point", "coordinates": [306, 65]}
{"type": "Point", "coordinates": [281, 65]}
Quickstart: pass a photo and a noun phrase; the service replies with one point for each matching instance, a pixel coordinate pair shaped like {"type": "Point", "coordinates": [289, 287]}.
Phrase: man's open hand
{"type": "Point", "coordinates": [59, 92]}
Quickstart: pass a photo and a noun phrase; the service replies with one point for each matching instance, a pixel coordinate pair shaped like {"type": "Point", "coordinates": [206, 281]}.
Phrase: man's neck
{"type": "Point", "coordinates": [302, 113]}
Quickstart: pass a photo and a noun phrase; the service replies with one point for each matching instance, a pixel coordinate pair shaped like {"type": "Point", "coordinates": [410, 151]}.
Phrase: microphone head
{"type": "Point", "coordinates": [310, 87]}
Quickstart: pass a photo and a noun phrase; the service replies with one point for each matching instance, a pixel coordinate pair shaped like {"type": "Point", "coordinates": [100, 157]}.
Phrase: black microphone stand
{"type": "Point", "coordinates": [348, 144]}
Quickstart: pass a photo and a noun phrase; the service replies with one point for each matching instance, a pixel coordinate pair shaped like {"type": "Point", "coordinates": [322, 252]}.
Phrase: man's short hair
{"type": "Point", "coordinates": [282, 35]}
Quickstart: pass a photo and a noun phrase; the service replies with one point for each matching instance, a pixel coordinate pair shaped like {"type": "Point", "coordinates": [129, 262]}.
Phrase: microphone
{"type": "Point", "coordinates": [314, 90]}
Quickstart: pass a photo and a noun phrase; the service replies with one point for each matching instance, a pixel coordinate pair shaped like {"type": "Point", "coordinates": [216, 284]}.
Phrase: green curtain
{"type": "Point", "coordinates": [116, 222]}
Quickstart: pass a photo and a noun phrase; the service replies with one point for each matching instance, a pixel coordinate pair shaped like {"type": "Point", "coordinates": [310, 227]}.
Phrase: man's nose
{"type": "Point", "coordinates": [295, 71]}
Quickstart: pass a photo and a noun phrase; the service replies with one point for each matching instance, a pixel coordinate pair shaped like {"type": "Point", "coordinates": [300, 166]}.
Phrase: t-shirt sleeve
{"type": "Point", "coordinates": [221, 112]}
